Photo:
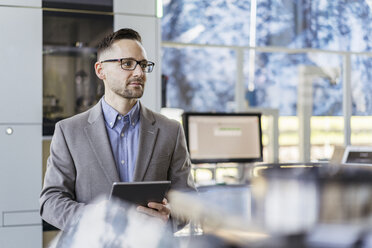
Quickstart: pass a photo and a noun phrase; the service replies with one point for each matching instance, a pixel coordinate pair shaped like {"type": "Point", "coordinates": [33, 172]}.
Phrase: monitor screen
{"type": "Point", "coordinates": [223, 137]}
{"type": "Point", "coordinates": [357, 155]}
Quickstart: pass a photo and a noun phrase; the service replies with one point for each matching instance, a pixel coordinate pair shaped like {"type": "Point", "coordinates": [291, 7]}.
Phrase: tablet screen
{"type": "Point", "coordinates": [140, 193]}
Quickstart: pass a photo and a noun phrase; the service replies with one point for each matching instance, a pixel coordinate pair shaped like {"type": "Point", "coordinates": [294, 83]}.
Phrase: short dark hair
{"type": "Point", "coordinates": [124, 33]}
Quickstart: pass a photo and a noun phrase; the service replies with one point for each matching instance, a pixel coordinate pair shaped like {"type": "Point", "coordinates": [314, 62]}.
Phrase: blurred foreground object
{"type": "Point", "coordinates": [286, 205]}
{"type": "Point", "coordinates": [114, 224]}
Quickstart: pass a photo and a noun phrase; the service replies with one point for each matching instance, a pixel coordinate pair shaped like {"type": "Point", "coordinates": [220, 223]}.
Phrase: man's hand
{"type": "Point", "coordinates": [159, 210]}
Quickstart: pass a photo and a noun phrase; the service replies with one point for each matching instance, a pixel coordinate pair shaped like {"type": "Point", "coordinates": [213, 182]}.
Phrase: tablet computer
{"type": "Point", "coordinates": [140, 193]}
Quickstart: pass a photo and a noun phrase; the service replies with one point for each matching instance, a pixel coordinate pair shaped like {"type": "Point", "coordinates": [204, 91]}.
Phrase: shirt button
{"type": "Point", "coordinates": [122, 134]}
{"type": "Point", "coordinates": [122, 161]}
{"type": "Point", "coordinates": [119, 117]}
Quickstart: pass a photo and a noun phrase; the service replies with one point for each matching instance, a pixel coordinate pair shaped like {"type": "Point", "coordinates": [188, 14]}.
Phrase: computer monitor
{"type": "Point", "coordinates": [357, 155]}
{"type": "Point", "coordinates": [223, 137]}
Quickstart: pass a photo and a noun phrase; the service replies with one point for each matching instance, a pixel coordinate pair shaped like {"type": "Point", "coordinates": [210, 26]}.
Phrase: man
{"type": "Point", "coordinates": [117, 140]}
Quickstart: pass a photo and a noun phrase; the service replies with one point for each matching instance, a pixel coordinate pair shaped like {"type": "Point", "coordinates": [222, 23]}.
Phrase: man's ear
{"type": "Point", "coordinates": [99, 70]}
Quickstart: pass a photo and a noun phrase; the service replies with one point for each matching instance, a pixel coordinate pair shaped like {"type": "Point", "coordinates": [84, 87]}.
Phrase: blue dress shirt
{"type": "Point", "coordinates": [123, 132]}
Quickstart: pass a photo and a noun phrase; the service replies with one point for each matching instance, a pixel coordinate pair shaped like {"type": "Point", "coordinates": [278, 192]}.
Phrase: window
{"type": "Point", "coordinates": [286, 45]}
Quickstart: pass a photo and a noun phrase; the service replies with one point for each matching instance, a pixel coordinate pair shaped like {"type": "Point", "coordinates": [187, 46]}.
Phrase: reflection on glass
{"type": "Point", "coordinates": [361, 130]}
{"type": "Point", "coordinates": [200, 79]}
{"type": "Point", "coordinates": [70, 85]}
{"type": "Point", "coordinates": [314, 24]}
{"type": "Point", "coordinates": [321, 24]}
{"type": "Point", "coordinates": [312, 86]}
{"type": "Point", "coordinates": [281, 74]}
{"type": "Point", "coordinates": [207, 22]}
{"type": "Point", "coordinates": [327, 132]}
{"type": "Point", "coordinates": [361, 78]}
{"type": "Point", "coordinates": [288, 139]}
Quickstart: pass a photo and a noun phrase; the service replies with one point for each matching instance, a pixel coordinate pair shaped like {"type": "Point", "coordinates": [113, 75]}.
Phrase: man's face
{"type": "Point", "coordinates": [127, 84]}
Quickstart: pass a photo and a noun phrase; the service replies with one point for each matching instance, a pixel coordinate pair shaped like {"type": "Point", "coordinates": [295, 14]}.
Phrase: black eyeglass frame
{"type": "Point", "coordinates": [149, 64]}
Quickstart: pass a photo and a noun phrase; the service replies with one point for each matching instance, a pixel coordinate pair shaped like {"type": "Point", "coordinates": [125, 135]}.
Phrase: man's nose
{"type": "Point", "coordinates": [138, 70]}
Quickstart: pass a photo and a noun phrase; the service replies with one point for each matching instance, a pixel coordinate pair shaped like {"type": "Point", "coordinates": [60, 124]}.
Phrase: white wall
{"type": "Point", "coordinates": [20, 123]}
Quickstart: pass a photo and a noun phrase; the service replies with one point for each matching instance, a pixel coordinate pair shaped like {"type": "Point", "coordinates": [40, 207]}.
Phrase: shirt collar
{"type": "Point", "coordinates": [134, 114]}
{"type": "Point", "coordinates": [111, 115]}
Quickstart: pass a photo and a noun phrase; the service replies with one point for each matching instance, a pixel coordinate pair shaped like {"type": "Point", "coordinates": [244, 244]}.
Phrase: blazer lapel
{"type": "Point", "coordinates": [99, 142]}
{"type": "Point", "coordinates": [148, 134]}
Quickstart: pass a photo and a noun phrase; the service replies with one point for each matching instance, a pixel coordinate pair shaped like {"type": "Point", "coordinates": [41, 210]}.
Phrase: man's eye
{"type": "Point", "coordinates": [127, 63]}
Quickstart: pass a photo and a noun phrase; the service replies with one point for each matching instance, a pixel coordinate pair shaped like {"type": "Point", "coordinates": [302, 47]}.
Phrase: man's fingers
{"type": "Point", "coordinates": [163, 208]}
{"type": "Point", "coordinates": [155, 213]}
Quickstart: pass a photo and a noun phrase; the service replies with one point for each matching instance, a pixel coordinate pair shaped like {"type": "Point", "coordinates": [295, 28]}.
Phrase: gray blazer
{"type": "Point", "coordinates": [81, 165]}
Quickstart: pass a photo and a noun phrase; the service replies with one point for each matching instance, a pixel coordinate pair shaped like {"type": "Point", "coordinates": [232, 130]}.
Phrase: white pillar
{"type": "Point", "coordinates": [347, 101]}
{"type": "Point", "coordinates": [142, 16]}
{"type": "Point", "coordinates": [304, 111]}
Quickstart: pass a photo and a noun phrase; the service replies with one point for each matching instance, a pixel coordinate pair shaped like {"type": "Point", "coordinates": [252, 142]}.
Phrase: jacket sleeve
{"type": "Point", "coordinates": [57, 198]}
{"type": "Point", "coordinates": [180, 169]}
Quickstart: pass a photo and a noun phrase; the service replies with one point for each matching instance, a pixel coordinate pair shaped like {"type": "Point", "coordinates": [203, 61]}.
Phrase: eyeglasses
{"type": "Point", "coordinates": [131, 64]}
